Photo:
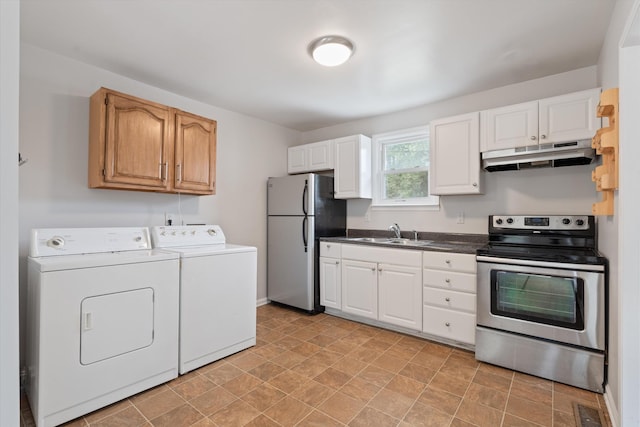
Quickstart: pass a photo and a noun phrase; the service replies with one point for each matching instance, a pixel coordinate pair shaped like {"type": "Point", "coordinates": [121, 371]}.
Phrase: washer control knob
{"type": "Point", "coordinates": [211, 232]}
{"type": "Point", "coordinates": [509, 220]}
{"type": "Point", "coordinates": [138, 238]}
{"type": "Point", "coordinates": [55, 242]}
{"type": "Point", "coordinates": [193, 233]}
{"type": "Point", "coordinates": [566, 221]}
{"type": "Point", "coordinates": [579, 221]}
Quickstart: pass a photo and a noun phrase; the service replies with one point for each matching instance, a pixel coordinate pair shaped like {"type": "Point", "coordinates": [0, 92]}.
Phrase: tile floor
{"type": "Point", "coordinates": [326, 371]}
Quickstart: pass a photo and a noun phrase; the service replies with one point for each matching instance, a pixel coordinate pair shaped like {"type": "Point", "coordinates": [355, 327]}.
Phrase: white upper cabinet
{"type": "Point", "coordinates": [317, 156]}
{"type": "Point", "coordinates": [509, 127]}
{"type": "Point", "coordinates": [569, 117]}
{"type": "Point", "coordinates": [455, 155]}
{"type": "Point", "coordinates": [563, 118]}
{"type": "Point", "coordinates": [352, 175]}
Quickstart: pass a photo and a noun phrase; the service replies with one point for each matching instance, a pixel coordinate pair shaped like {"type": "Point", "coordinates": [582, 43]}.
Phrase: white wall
{"type": "Point", "coordinates": [54, 120]}
{"type": "Point", "coordinates": [566, 190]}
{"type": "Point", "coordinates": [611, 230]}
{"type": "Point", "coordinates": [9, 78]}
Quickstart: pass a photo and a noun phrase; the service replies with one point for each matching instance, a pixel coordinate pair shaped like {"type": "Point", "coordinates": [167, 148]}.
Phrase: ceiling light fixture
{"type": "Point", "coordinates": [331, 51]}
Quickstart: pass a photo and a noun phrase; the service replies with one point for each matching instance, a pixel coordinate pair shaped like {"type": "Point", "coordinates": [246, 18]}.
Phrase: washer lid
{"type": "Point", "coordinates": [207, 250]}
{"type": "Point", "coordinates": [70, 262]}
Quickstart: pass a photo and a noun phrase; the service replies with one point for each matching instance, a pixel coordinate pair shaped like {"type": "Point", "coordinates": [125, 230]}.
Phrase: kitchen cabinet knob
{"type": "Point", "coordinates": [475, 184]}
{"type": "Point", "coordinates": [543, 136]}
{"type": "Point", "coordinates": [337, 262]}
{"type": "Point", "coordinates": [448, 261]}
{"type": "Point", "coordinates": [373, 269]}
{"type": "Point", "coordinates": [328, 246]}
{"type": "Point", "coordinates": [447, 324]}
{"type": "Point", "coordinates": [533, 138]}
{"type": "Point", "coordinates": [447, 299]}
{"type": "Point", "coordinates": [447, 280]}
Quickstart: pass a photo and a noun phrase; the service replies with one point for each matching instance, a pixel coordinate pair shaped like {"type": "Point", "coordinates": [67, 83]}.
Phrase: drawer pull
{"type": "Point", "coordinates": [328, 246]}
{"type": "Point", "coordinates": [447, 280]}
{"type": "Point", "coordinates": [447, 324]}
{"type": "Point", "coordinates": [447, 299]}
{"type": "Point", "coordinates": [448, 261]}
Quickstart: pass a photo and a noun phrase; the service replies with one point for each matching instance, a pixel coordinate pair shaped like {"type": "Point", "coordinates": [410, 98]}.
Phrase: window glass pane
{"type": "Point", "coordinates": [406, 155]}
{"type": "Point", "coordinates": [406, 185]}
{"type": "Point", "coordinates": [545, 297]}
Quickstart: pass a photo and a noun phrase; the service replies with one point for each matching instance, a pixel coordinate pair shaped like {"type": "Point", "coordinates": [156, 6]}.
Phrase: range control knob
{"type": "Point", "coordinates": [509, 220]}
{"type": "Point", "coordinates": [499, 221]}
{"type": "Point", "coordinates": [566, 221]}
{"type": "Point", "coordinates": [579, 221]}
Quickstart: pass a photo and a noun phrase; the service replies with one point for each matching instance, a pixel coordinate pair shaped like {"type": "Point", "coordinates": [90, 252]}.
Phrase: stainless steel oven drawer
{"type": "Point", "coordinates": [569, 365]}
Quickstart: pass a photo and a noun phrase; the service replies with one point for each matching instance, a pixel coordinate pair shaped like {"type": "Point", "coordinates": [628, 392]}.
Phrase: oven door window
{"type": "Point", "coordinates": [552, 300]}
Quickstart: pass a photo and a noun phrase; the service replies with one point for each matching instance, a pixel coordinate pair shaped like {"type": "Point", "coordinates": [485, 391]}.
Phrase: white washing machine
{"type": "Point", "coordinates": [218, 292]}
{"type": "Point", "coordinates": [102, 319]}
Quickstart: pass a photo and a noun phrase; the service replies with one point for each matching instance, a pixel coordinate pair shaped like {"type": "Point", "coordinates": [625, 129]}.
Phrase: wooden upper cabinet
{"type": "Point", "coordinates": [195, 154]}
{"type": "Point", "coordinates": [136, 144]}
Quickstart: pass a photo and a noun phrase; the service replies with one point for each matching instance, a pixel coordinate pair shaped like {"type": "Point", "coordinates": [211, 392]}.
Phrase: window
{"type": "Point", "coordinates": [401, 169]}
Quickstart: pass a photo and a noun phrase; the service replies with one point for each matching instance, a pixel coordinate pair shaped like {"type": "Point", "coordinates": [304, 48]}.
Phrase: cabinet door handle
{"type": "Point", "coordinates": [543, 136]}
{"type": "Point", "coordinates": [178, 172]}
{"type": "Point", "coordinates": [163, 171]}
{"type": "Point", "coordinates": [475, 184]}
{"type": "Point", "coordinates": [533, 138]}
{"type": "Point", "coordinates": [373, 269]}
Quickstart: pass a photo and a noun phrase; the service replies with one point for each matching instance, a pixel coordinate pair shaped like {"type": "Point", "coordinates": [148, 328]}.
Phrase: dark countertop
{"type": "Point", "coordinates": [427, 241]}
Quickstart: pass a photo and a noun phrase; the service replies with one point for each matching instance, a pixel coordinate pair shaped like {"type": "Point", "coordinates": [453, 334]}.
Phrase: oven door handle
{"type": "Point", "coordinates": [544, 264]}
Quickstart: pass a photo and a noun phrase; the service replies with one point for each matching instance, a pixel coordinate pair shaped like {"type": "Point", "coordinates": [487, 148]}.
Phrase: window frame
{"type": "Point", "coordinates": [378, 142]}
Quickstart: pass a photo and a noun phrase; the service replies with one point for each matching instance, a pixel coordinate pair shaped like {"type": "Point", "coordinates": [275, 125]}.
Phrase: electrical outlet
{"type": "Point", "coordinates": [169, 219]}
{"type": "Point", "coordinates": [460, 219]}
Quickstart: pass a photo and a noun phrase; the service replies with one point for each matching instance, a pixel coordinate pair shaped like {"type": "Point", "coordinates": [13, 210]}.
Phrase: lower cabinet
{"type": "Point", "coordinates": [383, 284]}
{"type": "Point", "coordinates": [330, 275]}
{"type": "Point", "coordinates": [449, 296]}
{"type": "Point", "coordinates": [430, 293]}
{"type": "Point", "coordinates": [399, 295]}
{"type": "Point", "coordinates": [360, 288]}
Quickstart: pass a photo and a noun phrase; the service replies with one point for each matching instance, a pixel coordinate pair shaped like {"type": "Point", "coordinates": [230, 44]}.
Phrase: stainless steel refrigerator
{"type": "Point", "coordinates": [300, 209]}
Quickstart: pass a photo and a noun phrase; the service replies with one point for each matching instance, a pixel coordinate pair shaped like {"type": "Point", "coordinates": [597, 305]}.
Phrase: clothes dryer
{"type": "Point", "coordinates": [102, 319]}
{"type": "Point", "coordinates": [217, 293]}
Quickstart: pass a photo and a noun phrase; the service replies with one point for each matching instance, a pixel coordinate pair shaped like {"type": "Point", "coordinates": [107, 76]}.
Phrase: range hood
{"type": "Point", "coordinates": [540, 156]}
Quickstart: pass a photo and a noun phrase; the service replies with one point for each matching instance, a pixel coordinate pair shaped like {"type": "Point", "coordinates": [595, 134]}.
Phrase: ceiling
{"type": "Point", "coordinates": [250, 56]}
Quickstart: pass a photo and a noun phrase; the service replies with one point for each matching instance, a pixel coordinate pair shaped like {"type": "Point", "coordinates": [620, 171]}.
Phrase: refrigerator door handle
{"type": "Point", "coordinates": [304, 197]}
{"type": "Point", "coordinates": [304, 232]}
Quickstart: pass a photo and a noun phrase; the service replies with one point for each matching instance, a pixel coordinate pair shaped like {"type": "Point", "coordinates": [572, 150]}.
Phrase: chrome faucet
{"type": "Point", "coordinates": [396, 229]}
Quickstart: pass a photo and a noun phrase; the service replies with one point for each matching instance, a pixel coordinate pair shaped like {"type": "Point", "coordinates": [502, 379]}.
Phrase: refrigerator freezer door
{"type": "Point", "coordinates": [290, 270]}
{"type": "Point", "coordinates": [291, 195]}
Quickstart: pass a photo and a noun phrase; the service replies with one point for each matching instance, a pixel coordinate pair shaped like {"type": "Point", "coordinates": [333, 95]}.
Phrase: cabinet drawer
{"type": "Point", "coordinates": [330, 249]}
{"type": "Point", "coordinates": [449, 324]}
{"type": "Point", "coordinates": [449, 299]}
{"type": "Point", "coordinates": [451, 280]}
{"type": "Point", "coordinates": [449, 261]}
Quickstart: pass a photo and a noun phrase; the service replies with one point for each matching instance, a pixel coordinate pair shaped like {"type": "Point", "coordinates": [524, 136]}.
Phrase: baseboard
{"type": "Point", "coordinates": [262, 301]}
{"type": "Point", "coordinates": [614, 417]}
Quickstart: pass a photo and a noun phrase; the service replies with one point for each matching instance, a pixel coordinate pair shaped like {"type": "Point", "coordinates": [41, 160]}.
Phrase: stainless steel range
{"type": "Point", "coordinates": [542, 299]}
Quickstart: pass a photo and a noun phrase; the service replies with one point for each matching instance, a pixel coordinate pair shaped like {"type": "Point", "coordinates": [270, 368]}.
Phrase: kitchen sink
{"type": "Point", "coordinates": [392, 240]}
